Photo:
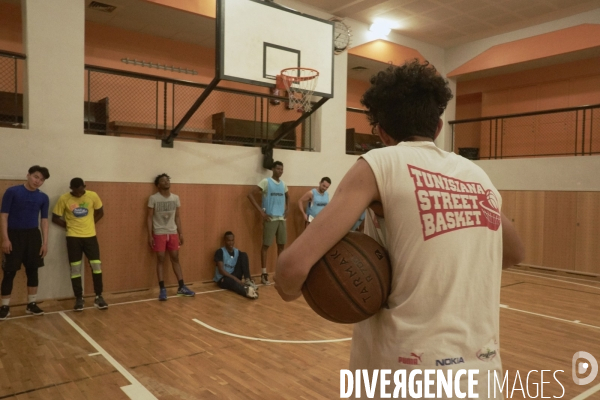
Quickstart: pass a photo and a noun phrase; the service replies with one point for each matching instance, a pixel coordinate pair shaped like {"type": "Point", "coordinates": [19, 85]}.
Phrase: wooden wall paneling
{"type": "Point", "coordinates": [584, 91]}
{"type": "Point", "coordinates": [587, 255]}
{"type": "Point", "coordinates": [560, 215]}
{"type": "Point", "coordinates": [127, 261]}
{"type": "Point", "coordinates": [552, 95]}
{"type": "Point", "coordinates": [523, 99]}
{"type": "Point", "coordinates": [19, 292]}
{"type": "Point", "coordinates": [508, 203]}
{"type": "Point", "coordinates": [495, 103]}
{"type": "Point", "coordinates": [529, 223]}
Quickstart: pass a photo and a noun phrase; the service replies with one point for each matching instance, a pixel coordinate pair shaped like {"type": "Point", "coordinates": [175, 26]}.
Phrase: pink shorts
{"type": "Point", "coordinates": [166, 242]}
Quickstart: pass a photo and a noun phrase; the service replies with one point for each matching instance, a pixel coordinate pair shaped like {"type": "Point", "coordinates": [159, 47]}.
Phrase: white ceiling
{"type": "Point", "coordinates": [445, 23]}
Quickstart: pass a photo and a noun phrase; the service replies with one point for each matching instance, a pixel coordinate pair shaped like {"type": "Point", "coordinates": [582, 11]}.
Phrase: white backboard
{"type": "Point", "coordinates": [257, 39]}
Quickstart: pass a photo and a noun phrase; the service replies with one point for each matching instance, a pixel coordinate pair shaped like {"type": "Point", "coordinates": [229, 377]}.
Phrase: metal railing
{"type": "Point", "coordinates": [359, 135]}
{"type": "Point", "coordinates": [11, 89]}
{"type": "Point", "coordinates": [561, 132]}
{"type": "Point", "coordinates": [123, 103]}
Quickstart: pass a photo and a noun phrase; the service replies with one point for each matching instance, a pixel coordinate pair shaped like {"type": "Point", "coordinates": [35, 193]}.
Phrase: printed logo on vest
{"type": "Point", "coordinates": [414, 359]}
{"type": "Point", "coordinates": [489, 351]}
{"type": "Point", "coordinates": [79, 211]}
{"type": "Point", "coordinates": [449, 361]}
{"type": "Point", "coordinates": [447, 204]}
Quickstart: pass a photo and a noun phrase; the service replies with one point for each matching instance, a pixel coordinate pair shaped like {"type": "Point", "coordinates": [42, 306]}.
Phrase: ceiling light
{"type": "Point", "coordinates": [381, 28]}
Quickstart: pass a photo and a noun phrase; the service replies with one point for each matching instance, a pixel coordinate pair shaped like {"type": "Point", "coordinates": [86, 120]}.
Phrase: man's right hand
{"type": "Point", "coordinates": [265, 216]}
{"type": "Point", "coordinates": [6, 246]}
{"type": "Point", "coordinates": [151, 242]}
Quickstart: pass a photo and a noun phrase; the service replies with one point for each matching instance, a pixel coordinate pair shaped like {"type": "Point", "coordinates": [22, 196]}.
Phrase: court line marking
{"type": "Point", "coordinates": [576, 322]}
{"type": "Point", "coordinates": [553, 279]}
{"type": "Point", "coordinates": [135, 391]}
{"type": "Point", "coordinates": [587, 393]}
{"type": "Point", "coordinates": [267, 340]}
{"type": "Point", "coordinates": [110, 305]}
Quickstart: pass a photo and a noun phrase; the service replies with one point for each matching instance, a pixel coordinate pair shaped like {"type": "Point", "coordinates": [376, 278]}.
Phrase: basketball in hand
{"type": "Point", "coordinates": [351, 282]}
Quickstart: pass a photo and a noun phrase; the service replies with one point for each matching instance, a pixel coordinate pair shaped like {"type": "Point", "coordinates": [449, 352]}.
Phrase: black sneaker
{"type": "Point", "coordinates": [4, 312]}
{"type": "Point", "coordinates": [264, 278]}
{"type": "Point", "coordinates": [100, 304]}
{"type": "Point", "coordinates": [32, 308]}
{"type": "Point", "coordinates": [78, 304]}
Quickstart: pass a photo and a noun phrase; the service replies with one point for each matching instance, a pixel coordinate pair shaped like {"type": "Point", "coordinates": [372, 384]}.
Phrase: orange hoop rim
{"type": "Point", "coordinates": [299, 78]}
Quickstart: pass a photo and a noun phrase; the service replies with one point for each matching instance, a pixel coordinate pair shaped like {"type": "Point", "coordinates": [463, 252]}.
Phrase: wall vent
{"type": "Point", "coordinates": [107, 8]}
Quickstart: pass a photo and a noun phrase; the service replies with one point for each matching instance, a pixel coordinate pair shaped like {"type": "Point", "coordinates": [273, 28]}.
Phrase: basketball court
{"type": "Point", "coordinates": [219, 345]}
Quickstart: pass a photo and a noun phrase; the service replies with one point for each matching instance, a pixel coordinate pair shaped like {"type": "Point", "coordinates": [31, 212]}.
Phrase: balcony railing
{"type": "Point", "coordinates": [562, 132]}
{"type": "Point", "coordinates": [11, 89]}
{"type": "Point", "coordinates": [123, 103]}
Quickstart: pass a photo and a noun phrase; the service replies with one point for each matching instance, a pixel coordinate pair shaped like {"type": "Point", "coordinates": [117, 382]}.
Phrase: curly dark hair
{"type": "Point", "coordinates": [158, 178]}
{"type": "Point", "coordinates": [407, 100]}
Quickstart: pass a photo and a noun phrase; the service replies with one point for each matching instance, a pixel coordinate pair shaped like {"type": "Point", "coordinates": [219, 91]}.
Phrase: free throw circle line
{"type": "Point", "coordinates": [267, 340]}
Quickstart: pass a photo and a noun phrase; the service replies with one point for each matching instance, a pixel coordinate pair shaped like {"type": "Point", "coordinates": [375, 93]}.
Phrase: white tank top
{"type": "Point", "coordinates": [442, 230]}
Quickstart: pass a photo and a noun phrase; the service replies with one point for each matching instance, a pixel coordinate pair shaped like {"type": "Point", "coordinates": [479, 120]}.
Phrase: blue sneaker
{"type": "Point", "coordinates": [162, 296]}
{"type": "Point", "coordinates": [184, 291]}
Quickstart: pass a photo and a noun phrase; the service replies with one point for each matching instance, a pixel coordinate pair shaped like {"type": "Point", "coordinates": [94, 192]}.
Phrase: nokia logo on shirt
{"type": "Point", "coordinates": [276, 194]}
{"type": "Point", "coordinates": [320, 204]}
{"type": "Point", "coordinates": [449, 361]}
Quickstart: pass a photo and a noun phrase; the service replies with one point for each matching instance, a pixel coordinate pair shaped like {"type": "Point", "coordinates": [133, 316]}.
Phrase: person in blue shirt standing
{"type": "Point", "coordinates": [273, 211]}
{"type": "Point", "coordinates": [231, 265]}
{"type": "Point", "coordinates": [314, 200]}
{"type": "Point", "coordinates": [22, 242]}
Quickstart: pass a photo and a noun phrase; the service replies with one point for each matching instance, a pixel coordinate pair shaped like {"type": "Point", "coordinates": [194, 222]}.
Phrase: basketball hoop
{"type": "Point", "coordinates": [300, 83]}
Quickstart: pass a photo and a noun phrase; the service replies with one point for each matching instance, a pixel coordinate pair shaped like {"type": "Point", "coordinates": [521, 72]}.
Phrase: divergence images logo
{"type": "Point", "coordinates": [583, 367]}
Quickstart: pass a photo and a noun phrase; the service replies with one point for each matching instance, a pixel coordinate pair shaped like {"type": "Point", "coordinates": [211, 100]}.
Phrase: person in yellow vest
{"type": "Point", "coordinates": [78, 211]}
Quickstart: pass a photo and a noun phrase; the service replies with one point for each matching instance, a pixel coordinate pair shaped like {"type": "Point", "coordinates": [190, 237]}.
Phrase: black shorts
{"type": "Point", "coordinates": [26, 245]}
{"type": "Point", "coordinates": [77, 247]}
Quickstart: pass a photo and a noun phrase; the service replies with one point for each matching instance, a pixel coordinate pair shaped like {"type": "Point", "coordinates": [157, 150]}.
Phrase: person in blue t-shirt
{"type": "Point", "coordinates": [274, 208]}
{"type": "Point", "coordinates": [22, 242]}
{"type": "Point", "coordinates": [231, 266]}
{"type": "Point", "coordinates": [314, 200]}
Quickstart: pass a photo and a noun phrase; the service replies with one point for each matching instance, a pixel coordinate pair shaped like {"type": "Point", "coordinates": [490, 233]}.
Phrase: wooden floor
{"type": "Point", "coordinates": [206, 347]}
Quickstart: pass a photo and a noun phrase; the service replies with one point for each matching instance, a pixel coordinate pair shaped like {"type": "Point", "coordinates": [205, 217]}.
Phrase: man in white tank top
{"type": "Point", "coordinates": [446, 236]}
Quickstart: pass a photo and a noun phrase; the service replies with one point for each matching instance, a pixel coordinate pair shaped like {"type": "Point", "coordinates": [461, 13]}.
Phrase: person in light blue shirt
{"type": "Point", "coordinates": [231, 266]}
{"type": "Point", "coordinates": [314, 200]}
{"type": "Point", "coordinates": [273, 210]}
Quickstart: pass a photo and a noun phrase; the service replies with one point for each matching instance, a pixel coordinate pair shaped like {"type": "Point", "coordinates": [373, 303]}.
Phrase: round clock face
{"type": "Point", "coordinates": [341, 37]}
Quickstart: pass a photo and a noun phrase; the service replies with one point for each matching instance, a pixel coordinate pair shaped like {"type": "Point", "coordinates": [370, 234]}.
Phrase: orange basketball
{"type": "Point", "coordinates": [351, 282]}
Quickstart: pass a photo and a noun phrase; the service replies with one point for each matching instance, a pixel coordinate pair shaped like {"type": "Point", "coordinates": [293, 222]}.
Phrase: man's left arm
{"type": "Point", "coordinates": [179, 228]}
{"type": "Point", "coordinates": [44, 249]}
{"type": "Point", "coordinates": [98, 214]}
{"type": "Point", "coordinates": [355, 192]}
{"type": "Point", "coordinates": [286, 205]}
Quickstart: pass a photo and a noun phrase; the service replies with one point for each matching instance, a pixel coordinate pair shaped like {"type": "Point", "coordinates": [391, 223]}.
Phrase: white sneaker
{"type": "Point", "coordinates": [250, 282]}
{"type": "Point", "coordinates": [251, 293]}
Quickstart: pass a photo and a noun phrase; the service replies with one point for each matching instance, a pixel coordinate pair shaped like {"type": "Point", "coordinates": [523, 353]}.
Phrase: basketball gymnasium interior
{"type": "Point", "coordinates": [96, 90]}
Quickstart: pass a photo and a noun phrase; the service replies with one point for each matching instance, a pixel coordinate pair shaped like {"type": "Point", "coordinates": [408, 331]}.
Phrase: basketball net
{"type": "Point", "coordinates": [300, 83]}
